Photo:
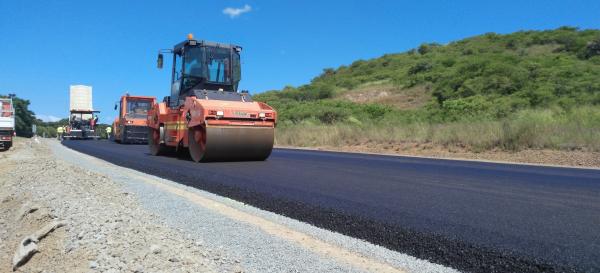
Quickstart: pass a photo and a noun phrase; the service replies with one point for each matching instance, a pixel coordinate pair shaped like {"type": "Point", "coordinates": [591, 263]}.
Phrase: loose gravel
{"type": "Point", "coordinates": [85, 222]}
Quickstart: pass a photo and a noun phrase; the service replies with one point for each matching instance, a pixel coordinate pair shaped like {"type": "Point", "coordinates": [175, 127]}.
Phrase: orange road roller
{"type": "Point", "coordinates": [205, 113]}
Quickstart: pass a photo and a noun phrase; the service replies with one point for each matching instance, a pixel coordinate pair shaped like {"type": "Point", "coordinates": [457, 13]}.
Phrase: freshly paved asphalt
{"type": "Point", "coordinates": [473, 216]}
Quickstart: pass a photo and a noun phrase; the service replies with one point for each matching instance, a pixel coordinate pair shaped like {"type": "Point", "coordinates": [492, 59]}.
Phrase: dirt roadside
{"type": "Point", "coordinates": [105, 229]}
{"type": "Point", "coordinates": [580, 159]}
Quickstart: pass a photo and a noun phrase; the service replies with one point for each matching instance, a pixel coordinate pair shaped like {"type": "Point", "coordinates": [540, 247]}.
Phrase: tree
{"type": "Point", "coordinates": [24, 117]}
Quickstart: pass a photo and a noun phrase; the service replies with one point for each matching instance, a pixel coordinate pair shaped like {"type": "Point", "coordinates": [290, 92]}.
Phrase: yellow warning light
{"type": "Point", "coordinates": [190, 36]}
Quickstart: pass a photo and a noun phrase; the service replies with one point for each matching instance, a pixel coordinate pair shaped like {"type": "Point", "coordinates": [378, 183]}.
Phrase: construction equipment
{"type": "Point", "coordinates": [82, 125]}
{"type": "Point", "coordinates": [131, 126]}
{"type": "Point", "coordinates": [204, 112]}
{"type": "Point", "coordinates": [7, 123]}
{"type": "Point", "coordinates": [82, 118]}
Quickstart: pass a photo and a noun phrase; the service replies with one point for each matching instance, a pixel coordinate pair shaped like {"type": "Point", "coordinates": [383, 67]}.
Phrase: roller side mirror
{"type": "Point", "coordinates": [159, 61]}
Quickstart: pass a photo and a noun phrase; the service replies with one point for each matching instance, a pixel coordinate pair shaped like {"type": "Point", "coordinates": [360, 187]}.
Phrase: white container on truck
{"type": "Point", "coordinates": [82, 123]}
{"type": "Point", "coordinates": [81, 98]}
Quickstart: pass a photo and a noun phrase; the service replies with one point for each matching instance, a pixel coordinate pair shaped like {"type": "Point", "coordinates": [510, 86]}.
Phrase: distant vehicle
{"type": "Point", "coordinates": [82, 125]}
{"type": "Point", "coordinates": [82, 118]}
{"type": "Point", "coordinates": [131, 126]}
{"type": "Point", "coordinates": [205, 113]}
{"type": "Point", "coordinates": [7, 123]}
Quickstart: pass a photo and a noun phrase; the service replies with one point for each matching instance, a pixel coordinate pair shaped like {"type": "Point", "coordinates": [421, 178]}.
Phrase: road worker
{"type": "Point", "coordinates": [92, 122]}
{"type": "Point", "coordinates": [108, 131]}
{"type": "Point", "coordinates": [59, 132]}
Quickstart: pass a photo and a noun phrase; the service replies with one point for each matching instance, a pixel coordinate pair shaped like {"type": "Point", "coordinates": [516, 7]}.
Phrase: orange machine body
{"type": "Point", "coordinates": [131, 125]}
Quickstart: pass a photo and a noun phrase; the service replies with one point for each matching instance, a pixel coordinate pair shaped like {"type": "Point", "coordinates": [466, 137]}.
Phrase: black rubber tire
{"type": "Point", "coordinates": [124, 136]}
{"type": "Point", "coordinates": [197, 147]}
{"type": "Point", "coordinates": [154, 145]}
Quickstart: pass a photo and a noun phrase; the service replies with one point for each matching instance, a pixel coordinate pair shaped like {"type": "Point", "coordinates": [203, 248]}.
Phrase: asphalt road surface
{"type": "Point", "coordinates": [473, 216]}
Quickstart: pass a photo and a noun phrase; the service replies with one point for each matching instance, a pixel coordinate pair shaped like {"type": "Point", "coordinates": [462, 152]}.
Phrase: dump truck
{"type": "Point", "coordinates": [205, 113]}
{"type": "Point", "coordinates": [82, 118]}
{"type": "Point", "coordinates": [7, 123]}
{"type": "Point", "coordinates": [131, 126]}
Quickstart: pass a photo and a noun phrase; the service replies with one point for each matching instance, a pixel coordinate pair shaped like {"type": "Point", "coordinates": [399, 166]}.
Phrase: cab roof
{"type": "Point", "coordinates": [84, 111]}
{"type": "Point", "coordinates": [139, 97]}
{"type": "Point", "coordinates": [181, 45]}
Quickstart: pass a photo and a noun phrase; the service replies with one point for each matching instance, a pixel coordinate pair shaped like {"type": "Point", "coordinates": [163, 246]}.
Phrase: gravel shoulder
{"type": "Point", "coordinates": [106, 229]}
{"type": "Point", "coordinates": [120, 220]}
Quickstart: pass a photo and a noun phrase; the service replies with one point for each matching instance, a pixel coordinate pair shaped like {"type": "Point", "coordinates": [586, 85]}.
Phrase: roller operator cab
{"type": "Point", "coordinates": [131, 126]}
{"type": "Point", "coordinates": [204, 112]}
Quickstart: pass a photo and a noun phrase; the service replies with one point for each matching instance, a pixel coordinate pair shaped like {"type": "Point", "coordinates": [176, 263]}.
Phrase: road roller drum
{"type": "Point", "coordinates": [227, 143]}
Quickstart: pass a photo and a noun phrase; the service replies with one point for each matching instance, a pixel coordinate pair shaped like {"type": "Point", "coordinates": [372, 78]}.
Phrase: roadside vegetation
{"type": "Point", "coordinates": [526, 90]}
{"type": "Point", "coordinates": [49, 128]}
{"type": "Point", "coordinates": [25, 119]}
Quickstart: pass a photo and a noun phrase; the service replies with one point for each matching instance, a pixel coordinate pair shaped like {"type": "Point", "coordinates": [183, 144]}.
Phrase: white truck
{"type": "Point", "coordinates": [7, 123]}
{"type": "Point", "coordinates": [82, 118]}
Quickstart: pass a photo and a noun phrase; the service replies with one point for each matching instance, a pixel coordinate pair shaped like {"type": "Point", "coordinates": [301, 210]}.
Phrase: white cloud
{"type": "Point", "coordinates": [47, 118]}
{"type": "Point", "coordinates": [235, 12]}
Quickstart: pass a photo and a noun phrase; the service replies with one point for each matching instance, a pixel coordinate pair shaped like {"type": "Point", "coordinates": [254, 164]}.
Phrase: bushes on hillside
{"type": "Point", "coordinates": [489, 64]}
{"type": "Point", "coordinates": [480, 80]}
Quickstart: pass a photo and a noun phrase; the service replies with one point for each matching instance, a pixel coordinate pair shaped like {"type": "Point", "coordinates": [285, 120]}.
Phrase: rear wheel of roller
{"type": "Point", "coordinates": [197, 143]}
{"type": "Point", "coordinates": [117, 139]}
{"type": "Point", "coordinates": [124, 136]}
{"type": "Point", "coordinates": [156, 148]}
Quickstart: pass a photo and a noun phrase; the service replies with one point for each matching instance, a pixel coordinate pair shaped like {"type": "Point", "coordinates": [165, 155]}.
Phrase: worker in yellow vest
{"type": "Point", "coordinates": [108, 132]}
{"type": "Point", "coordinates": [59, 132]}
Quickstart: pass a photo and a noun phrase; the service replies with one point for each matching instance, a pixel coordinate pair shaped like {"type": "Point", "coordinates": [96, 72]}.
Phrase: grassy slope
{"type": "Point", "coordinates": [531, 89]}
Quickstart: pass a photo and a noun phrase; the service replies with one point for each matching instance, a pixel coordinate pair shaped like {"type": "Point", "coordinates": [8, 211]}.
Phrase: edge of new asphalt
{"type": "Point", "coordinates": [246, 243]}
{"type": "Point", "coordinates": [432, 247]}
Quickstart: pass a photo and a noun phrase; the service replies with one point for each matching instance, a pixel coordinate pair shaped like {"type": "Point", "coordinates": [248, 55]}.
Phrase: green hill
{"type": "Point", "coordinates": [520, 90]}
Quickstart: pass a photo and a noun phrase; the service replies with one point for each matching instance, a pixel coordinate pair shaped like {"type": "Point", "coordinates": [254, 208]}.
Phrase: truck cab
{"type": "Point", "coordinates": [131, 125]}
{"type": "Point", "coordinates": [7, 123]}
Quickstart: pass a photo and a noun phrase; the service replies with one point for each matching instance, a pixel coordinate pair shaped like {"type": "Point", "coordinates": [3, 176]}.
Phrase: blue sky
{"type": "Point", "coordinates": [112, 45]}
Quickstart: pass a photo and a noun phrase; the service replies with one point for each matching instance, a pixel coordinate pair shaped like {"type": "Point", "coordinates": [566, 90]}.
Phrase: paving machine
{"type": "Point", "coordinates": [131, 126]}
{"type": "Point", "coordinates": [205, 113]}
{"type": "Point", "coordinates": [7, 123]}
{"type": "Point", "coordinates": [82, 125]}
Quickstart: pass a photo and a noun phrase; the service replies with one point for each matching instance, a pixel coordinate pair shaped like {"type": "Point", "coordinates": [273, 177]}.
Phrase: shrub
{"type": "Point", "coordinates": [419, 67]}
{"type": "Point", "coordinates": [476, 107]}
{"type": "Point", "coordinates": [592, 49]}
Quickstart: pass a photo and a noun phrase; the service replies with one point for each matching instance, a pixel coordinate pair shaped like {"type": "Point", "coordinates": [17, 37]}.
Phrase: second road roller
{"type": "Point", "coordinates": [205, 113]}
